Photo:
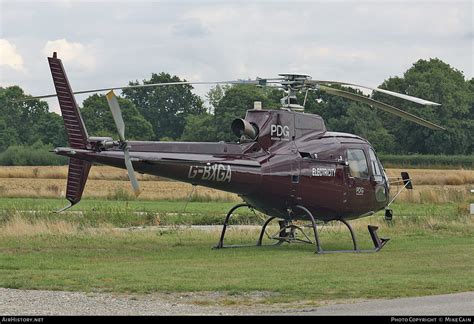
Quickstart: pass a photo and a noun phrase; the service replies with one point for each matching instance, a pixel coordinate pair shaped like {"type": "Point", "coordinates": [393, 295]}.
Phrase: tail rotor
{"type": "Point", "coordinates": [117, 116]}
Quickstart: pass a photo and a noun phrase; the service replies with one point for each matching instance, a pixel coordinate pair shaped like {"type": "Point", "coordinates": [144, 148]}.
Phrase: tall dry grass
{"type": "Point", "coordinates": [18, 225]}
{"type": "Point", "coordinates": [436, 177]}
{"type": "Point", "coordinates": [419, 176]}
{"type": "Point", "coordinates": [178, 191]}
{"type": "Point", "coordinates": [434, 194]}
{"type": "Point", "coordinates": [431, 186]}
{"type": "Point", "coordinates": [112, 190]}
{"type": "Point", "coordinates": [60, 172]}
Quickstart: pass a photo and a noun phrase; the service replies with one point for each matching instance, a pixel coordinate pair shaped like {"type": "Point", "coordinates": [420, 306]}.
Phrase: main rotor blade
{"type": "Point", "coordinates": [131, 172]}
{"type": "Point", "coordinates": [116, 114]}
{"type": "Point", "coordinates": [382, 106]}
{"type": "Point", "coordinates": [391, 93]}
{"type": "Point", "coordinates": [255, 82]}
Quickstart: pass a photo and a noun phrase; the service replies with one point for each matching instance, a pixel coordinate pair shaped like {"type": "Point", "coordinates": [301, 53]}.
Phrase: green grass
{"type": "Point", "coordinates": [94, 213]}
{"type": "Point", "coordinates": [413, 264]}
{"type": "Point", "coordinates": [431, 252]}
{"type": "Point", "coordinates": [125, 214]}
{"type": "Point", "coordinates": [51, 204]}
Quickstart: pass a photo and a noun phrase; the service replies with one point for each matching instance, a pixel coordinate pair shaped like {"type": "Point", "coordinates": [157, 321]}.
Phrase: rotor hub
{"type": "Point", "coordinates": [292, 83]}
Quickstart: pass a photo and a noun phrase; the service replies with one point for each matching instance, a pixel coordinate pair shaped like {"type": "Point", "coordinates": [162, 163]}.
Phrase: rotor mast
{"type": "Point", "coordinates": [291, 84]}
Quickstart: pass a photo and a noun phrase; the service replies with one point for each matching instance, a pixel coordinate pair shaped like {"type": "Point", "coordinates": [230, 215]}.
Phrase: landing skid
{"type": "Point", "coordinates": [288, 234]}
{"type": "Point", "coordinates": [379, 243]}
{"type": "Point", "coordinates": [220, 244]}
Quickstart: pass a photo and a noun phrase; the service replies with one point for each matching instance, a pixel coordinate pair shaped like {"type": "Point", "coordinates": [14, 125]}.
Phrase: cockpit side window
{"type": "Point", "coordinates": [357, 163]}
{"type": "Point", "coordinates": [377, 169]}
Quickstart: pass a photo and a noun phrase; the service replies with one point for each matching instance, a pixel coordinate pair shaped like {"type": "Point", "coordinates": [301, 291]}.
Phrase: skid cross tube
{"type": "Point", "coordinates": [282, 236]}
{"type": "Point", "coordinates": [260, 238]}
{"type": "Point", "coordinates": [354, 241]}
{"type": "Point", "coordinates": [220, 244]}
{"type": "Point", "coordinates": [315, 228]}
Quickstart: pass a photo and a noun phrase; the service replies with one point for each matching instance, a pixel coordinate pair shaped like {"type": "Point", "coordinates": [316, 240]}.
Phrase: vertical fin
{"type": "Point", "coordinates": [76, 130]}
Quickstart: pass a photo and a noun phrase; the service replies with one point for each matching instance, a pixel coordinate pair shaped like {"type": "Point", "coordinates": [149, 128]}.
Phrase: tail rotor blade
{"type": "Point", "coordinates": [116, 114]}
{"type": "Point", "coordinates": [118, 119]}
{"type": "Point", "coordinates": [131, 172]}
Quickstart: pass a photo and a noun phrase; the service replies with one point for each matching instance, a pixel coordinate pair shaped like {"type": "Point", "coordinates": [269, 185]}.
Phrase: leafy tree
{"type": "Point", "coordinates": [165, 107]}
{"type": "Point", "coordinates": [99, 122]}
{"type": "Point", "coordinates": [8, 135]}
{"type": "Point", "coordinates": [436, 81]}
{"type": "Point", "coordinates": [174, 112]}
{"type": "Point", "coordinates": [215, 95]}
{"type": "Point", "coordinates": [50, 129]}
{"type": "Point", "coordinates": [344, 115]}
{"type": "Point", "coordinates": [470, 84]}
{"type": "Point", "coordinates": [199, 128]}
{"type": "Point", "coordinates": [24, 122]}
{"type": "Point", "coordinates": [22, 115]}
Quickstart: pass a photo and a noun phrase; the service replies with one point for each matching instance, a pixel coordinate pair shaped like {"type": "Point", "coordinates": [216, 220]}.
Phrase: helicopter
{"type": "Point", "coordinates": [285, 164]}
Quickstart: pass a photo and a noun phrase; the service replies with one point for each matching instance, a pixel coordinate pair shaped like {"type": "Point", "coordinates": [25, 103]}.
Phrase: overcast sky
{"type": "Point", "coordinates": [108, 43]}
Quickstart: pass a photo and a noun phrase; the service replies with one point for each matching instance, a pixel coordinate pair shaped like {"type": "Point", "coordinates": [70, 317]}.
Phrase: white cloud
{"type": "Point", "coordinates": [363, 42]}
{"type": "Point", "coordinates": [75, 54]}
{"type": "Point", "coordinates": [9, 56]}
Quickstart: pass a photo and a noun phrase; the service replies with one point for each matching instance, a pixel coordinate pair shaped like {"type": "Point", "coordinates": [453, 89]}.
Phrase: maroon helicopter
{"type": "Point", "coordinates": [285, 163]}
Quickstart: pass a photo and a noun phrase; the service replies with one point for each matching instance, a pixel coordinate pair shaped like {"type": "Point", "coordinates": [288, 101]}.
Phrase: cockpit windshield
{"type": "Point", "coordinates": [376, 166]}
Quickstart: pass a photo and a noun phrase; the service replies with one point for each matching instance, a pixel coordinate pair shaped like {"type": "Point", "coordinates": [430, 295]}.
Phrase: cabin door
{"type": "Point", "coordinates": [359, 188]}
{"type": "Point", "coordinates": [295, 181]}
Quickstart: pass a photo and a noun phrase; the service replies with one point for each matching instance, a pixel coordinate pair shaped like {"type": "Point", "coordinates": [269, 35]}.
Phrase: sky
{"type": "Point", "coordinates": [109, 43]}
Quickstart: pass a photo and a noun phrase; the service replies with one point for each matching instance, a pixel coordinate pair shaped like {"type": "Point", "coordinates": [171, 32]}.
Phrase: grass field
{"type": "Point", "coordinates": [431, 252]}
{"type": "Point", "coordinates": [94, 247]}
{"type": "Point", "coordinates": [415, 263]}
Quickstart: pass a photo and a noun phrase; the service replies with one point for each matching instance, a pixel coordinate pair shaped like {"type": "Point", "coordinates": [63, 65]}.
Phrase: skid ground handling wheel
{"type": "Point", "coordinates": [291, 233]}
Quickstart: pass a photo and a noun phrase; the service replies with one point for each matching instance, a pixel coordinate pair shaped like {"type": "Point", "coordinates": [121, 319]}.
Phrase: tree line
{"type": "Point", "coordinates": [176, 113]}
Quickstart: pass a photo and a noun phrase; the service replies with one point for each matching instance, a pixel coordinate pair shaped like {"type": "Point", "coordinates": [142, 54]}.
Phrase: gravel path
{"type": "Point", "coordinates": [38, 302]}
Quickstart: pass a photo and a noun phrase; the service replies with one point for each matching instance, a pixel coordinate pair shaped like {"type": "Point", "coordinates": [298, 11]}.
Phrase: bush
{"type": "Point", "coordinates": [36, 154]}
